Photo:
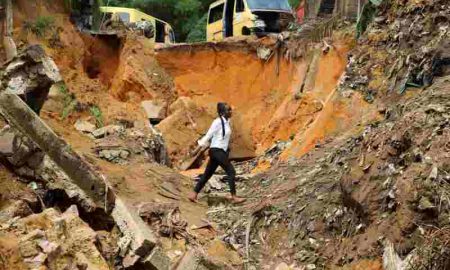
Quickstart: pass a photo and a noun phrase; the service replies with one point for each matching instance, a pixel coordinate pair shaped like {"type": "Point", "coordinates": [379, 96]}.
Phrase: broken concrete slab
{"type": "Point", "coordinates": [65, 169]}
{"type": "Point", "coordinates": [142, 238]}
{"type": "Point", "coordinates": [57, 239]}
{"type": "Point", "coordinates": [154, 111]}
{"type": "Point", "coordinates": [84, 126]}
{"type": "Point", "coordinates": [30, 75]}
{"type": "Point", "coordinates": [7, 143]}
{"type": "Point", "coordinates": [114, 155]}
{"type": "Point", "coordinates": [158, 259]}
{"type": "Point", "coordinates": [108, 130]}
{"type": "Point", "coordinates": [21, 117]}
{"type": "Point", "coordinates": [141, 241]}
{"type": "Point", "coordinates": [37, 74]}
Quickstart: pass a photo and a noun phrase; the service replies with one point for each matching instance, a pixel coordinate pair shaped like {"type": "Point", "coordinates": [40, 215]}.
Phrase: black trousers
{"type": "Point", "coordinates": [217, 157]}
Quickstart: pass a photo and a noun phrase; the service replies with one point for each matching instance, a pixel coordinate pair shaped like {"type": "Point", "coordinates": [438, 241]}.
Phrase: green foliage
{"type": "Point", "coordinates": [97, 114]}
{"type": "Point", "coordinates": [70, 103]}
{"type": "Point", "coordinates": [367, 15]}
{"type": "Point", "coordinates": [63, 89]}
{"type": "Point", "coordinates": [295, 3]}
{"type": "Point", "coordinates": [198, 31]}
{"type": "Point", "coordinates": [40, 26]}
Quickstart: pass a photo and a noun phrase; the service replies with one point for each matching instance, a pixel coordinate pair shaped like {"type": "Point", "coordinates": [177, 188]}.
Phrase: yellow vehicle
{"type": "Point", "coordinates": [157, 30]}
{"type": "Point", "coordinates": [228, 18]}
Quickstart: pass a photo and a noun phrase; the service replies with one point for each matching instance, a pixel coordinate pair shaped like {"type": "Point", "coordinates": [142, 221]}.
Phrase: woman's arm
{"type": "Point", "coordinates": [204, 142]}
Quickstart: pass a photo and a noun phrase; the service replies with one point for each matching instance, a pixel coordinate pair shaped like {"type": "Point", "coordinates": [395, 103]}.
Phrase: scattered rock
{"type": "Point", "coordinates": [116, 156]}
{"type": "Point", "coordinates": [49, 248]}
{"type": "Point", "coordinates": [138, 236]}
{"type": "Point", "coordinates": [425, 204]}
{"type": "Point", "coordinates": [155, 112]}
{"type": "Point", "coordinates": [108, 130]}
{"type": "Point", "coordinates": [17, 209]}
{"type": "Point", "coordinates": [215, 183]}
{"type": "Point", "coordinates": [36, 262]}
{"type": "Point", "coordinates": [157, 259]}
{"type": "Point", "coordinates": [434, 173]}
{"type": "Point", "coordinates": [282, 266]}
{"type": "Point", "coordinates": [28, 249]}
{"type": "Point", "coordinates": [7, 143]}
{"type": "Point", "coordinates": [264, 53]}
{"type": "Point", "coordinates": [84, 126]}
{"type": "Point", "coordinates": [391, 260]}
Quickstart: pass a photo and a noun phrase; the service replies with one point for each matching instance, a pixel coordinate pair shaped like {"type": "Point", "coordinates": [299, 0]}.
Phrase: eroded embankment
{"type": "Point", "coordinates": [275, 99]}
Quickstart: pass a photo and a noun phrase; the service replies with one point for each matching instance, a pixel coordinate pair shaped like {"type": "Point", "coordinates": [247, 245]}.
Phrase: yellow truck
{"type": "Point", "coordinates": [155, 29]}
{"type": "Point", "coordinates": [227, 18]}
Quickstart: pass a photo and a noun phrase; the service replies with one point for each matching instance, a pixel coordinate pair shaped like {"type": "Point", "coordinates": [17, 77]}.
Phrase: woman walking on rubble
{"type": "Point", "coordinates": [219, 134]}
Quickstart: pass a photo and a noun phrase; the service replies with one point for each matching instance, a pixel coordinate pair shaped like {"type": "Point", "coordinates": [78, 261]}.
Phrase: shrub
{"type": "Point", "coordinates": [40, 26]}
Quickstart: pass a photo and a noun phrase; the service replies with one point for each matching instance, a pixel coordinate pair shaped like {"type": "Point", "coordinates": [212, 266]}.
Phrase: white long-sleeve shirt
{"type": "Point", "coordinates": [215, 135]}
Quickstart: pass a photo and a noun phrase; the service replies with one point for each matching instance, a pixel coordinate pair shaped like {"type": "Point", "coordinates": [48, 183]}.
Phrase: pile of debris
{"type": "Point", "coordinates": [30, 76]}
{"type": "Point", "coordinates": [117, 143]}
{"type": "Point", "coordinates": [166, 218]}
{"type": "Point", "coordinates": [391, 184]}
{"type": "Point", "coordinates": [31, 149]}
{"type": "Point", "coordinates": [65, 242]}
{"type": "Point", "coordinates": [407, 45]}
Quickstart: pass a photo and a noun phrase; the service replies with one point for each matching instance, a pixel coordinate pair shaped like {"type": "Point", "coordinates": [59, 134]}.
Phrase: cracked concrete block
{"type": "Point", "coordinates": [41, 137]}
{"type": "Point", "coordinates": [28, 249]}
{"type": "Point", "coordinates": [158, 259]}
{"type": "Point", "coordinates": [108, 130]}
{"type": "Point", "coordinates": [131, 225]}
{"type": "Point", "coordinates": [84, 126]}
{"type": "Point", "coordinates": [7, 143]}
{"type": "Point", "coordinates": [154, 111]}
{"type": "Point", "coordinates": [130, 261]}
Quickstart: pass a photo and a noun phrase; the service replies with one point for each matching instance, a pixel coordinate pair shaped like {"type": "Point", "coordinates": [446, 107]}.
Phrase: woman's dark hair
{"type": "Point", "coordinates": [221, 111]}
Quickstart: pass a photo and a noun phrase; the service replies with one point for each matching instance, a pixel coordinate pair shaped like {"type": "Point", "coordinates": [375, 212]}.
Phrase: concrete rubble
{"type": "Point", "coordinates": [128, 143]}
{"type": "Point", "coordinates": [84, 126]}
{"type": "Point", "coordinates": [154, 111]}
{"type": "Point", "coordinates": [38, 153]}
{"type": "Point", "coordinates": [66, 242]}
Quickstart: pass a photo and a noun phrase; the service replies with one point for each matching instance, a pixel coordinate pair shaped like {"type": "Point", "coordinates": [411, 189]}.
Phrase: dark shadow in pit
{"type": "Point", "coordinates": [97, 220]}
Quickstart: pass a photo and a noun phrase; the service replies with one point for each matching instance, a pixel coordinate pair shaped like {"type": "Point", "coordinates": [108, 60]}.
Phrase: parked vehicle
{"type": "Point", "coordinates": [227, 18]}
{"type": "Point", "coordinates": [91, 16]}
{"type": "Point", "coordinates": [157, 30]}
